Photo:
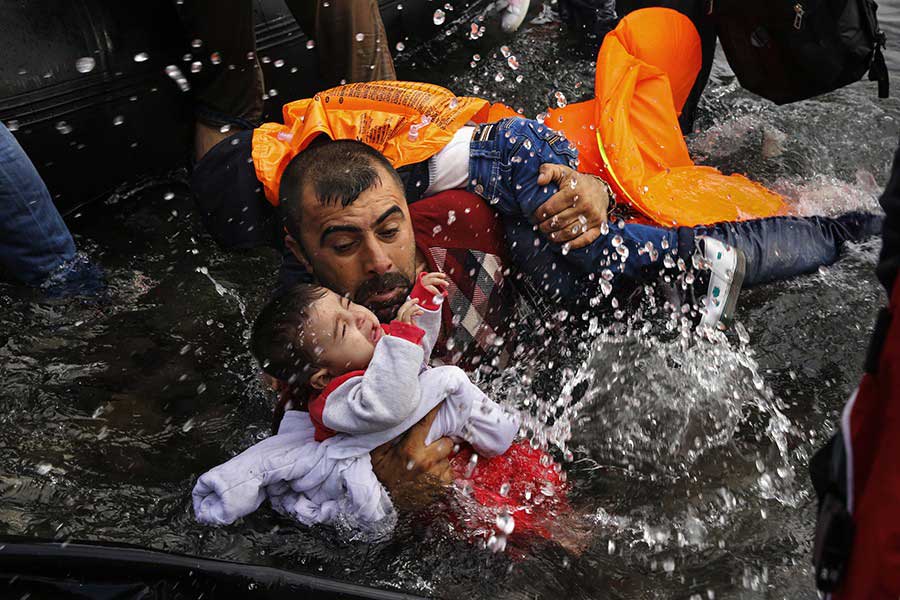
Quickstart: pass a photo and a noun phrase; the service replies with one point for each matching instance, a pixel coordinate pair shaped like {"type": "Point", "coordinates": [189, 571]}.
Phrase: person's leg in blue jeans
{"type": "Point", "coordinates": [34, 240]}
{"type": "Point", "coordinates": [505, 158]}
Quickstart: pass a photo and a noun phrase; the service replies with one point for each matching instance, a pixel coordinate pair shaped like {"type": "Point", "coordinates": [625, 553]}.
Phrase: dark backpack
{"type": "Point", "coordinates": [788, 50]}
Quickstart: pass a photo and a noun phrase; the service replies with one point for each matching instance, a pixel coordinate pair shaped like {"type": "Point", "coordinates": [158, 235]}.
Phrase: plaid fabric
{"type": "Point", "coordinates": [482, 303]}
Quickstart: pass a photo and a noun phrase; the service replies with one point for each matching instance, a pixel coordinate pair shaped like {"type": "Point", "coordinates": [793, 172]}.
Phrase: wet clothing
{"type": "Point", "coordinates": [503, 167]}
{"type": "Point", "coordinates": [234, 96]}
{"type": "Point", "coordinates": [34, 239]}
{"type": "Point", "coordinates": [317, 468]}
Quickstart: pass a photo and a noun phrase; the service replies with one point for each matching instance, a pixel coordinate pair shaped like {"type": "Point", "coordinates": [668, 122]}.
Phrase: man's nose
{"type": "Point", "coordinates": [377, 260]}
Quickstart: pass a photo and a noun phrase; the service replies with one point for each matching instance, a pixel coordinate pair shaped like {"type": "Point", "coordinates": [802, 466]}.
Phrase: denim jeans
{"type": "Point", "coordinates": [504, 161]}
{"type": "Point", "coordinates": [34, 240]}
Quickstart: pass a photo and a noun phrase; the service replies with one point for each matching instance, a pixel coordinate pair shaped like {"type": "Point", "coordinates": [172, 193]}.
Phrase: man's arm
{"type": "Point", "coordinates": [573, 214]}
{"type": "Point", "coordinates": [411, 471]}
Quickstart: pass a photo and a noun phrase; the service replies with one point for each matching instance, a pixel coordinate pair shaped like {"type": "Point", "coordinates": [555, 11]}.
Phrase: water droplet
{"type": "Point", "coordinates": [566, 248]}
{"type": "Point", "coordinates": [141, 57]}
{"type": "Point", "coordinates": [496, 543]}
{"type": "Point", "coordinates": [400, 47]}
{"type": "Point", "coordinates": [669, 565]}
{"type": "Point", "coordinates": [310, 44]}
{"type": "Point", "coordinates": [63, 127]}
{"type": "Point", "coordinates": [215, 58]}
{"type": "Point", "coordinates": [188, 425]}
{"type": "Point", "coordinates": [611, 547]}
{"type": "Point", "coordinates": [605, 287]}
{"type": "Point", "coordinates": [12, 125]}
{"type": "Point", "coordinates": [604, 228]}
{"type": "Point", "coordinates": [451, 217]}
{"type": "Point", "coordinates": [168, 195]}
{"type": "Point", "coordinates": [560, 99]}
{"type": "Point", "coordinates": [201, 388]}
{"type": "Point", "coordinates": [513, 63]}
{"type": "Point", "coordinates": [505, 523]}
{"type": "Point", "coordinates": [85, 64]}
{"type": "Point", "coordinates": [278, 63]}
{"type": "Point", "coordinates": [476, 57]}
{"type": "Point", "coordinates": [504, 490]}
{"type": "Point", "coordinates": [470, 467]}
{"type": "Point", "coordinates": [43, 468]}
{"type": "Point", "coordinates": [118, 120]}
{"type": "Point", "coordinates": [196, 43]}
{"type": "Point", "coordinates": [439, 17]}
{"type": "Point", "coordinates": [196, 66]}
{"type": "Point", "coordinates": [664, 244]}
{"type": "Point", "coordinates": [499, 77]}
{"type": "Point", "coordinates": [668, 261]}
{"type": "Point", "coordinates": [360, 37]}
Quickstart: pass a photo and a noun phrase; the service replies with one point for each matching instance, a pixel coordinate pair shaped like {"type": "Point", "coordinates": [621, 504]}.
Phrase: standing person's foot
{"type": "Point", "coordinates": [514, 15]}
{"type": "Point", "coordinates": [727, 265]}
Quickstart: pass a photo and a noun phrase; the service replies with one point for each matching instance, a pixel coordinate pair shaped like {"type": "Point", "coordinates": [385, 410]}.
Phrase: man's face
{"type": "Point", "coordinates": [366, 250]}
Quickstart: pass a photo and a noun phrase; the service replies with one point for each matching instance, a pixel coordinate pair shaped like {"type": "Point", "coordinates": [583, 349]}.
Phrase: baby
{"type": "Point", "coordinates": [352, 384]}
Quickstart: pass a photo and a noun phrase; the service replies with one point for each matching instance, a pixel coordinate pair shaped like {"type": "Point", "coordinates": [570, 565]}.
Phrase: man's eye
{"type": "Point", "coordinates": [342, 248]}
{"type": "Point", "coordinates": [390, 233]}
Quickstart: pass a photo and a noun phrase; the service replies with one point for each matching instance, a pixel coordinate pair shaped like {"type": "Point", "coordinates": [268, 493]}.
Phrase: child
{"type": "Point", "coordinates": [363, 384]}
{"type": "Point", "coordinates": [503, 165]}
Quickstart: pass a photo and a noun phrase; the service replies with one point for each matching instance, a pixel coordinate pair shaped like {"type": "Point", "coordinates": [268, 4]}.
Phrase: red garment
{"type": "Point", "coordinates": [535, 498]}
{"type": "Point", "coordinates": [871, 430]}
{"type": "Point", "coordinates": [461, 236]}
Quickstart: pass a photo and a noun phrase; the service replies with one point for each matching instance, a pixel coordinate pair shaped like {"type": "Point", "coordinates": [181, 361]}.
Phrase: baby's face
{"type": "Point", "coordinates": [342, 334]}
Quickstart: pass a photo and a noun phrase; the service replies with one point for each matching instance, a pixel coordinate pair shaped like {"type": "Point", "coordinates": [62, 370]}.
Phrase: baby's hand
{"type": "Point", "coordinates": [436, 283]}
{"type": "Point", "coordinates": [409, 311]}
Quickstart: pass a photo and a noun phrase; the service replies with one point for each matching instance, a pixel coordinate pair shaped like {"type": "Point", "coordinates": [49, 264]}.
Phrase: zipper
{"type": "Point", "coordinates": [798, 15]}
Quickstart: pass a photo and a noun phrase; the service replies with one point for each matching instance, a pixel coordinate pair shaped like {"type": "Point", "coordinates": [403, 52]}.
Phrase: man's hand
{"type": "Point", "coordinates": [411, 471]}
{"type": "Point", "coordinates": [575, 213]}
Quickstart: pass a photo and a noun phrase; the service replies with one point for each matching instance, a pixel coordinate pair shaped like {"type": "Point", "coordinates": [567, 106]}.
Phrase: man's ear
{"type": "Point", "coordinates": [320, 379]}
{"type": "Point", "coordinates": [297, 250]}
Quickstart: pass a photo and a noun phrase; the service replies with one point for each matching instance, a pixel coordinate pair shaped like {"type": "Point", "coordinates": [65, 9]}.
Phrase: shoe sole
{"type": "Point", "coordinates": [734, 290]}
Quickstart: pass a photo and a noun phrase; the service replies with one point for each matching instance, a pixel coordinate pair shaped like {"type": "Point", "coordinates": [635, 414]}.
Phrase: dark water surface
{"type": "Point", "coordinates": [689, 462]}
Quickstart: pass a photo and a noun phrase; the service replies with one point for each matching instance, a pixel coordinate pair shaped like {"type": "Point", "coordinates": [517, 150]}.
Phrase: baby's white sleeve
{"type": "Point", "coordinates": [381, 398]}
{"type": "Point", "coordinates": [467, 413]}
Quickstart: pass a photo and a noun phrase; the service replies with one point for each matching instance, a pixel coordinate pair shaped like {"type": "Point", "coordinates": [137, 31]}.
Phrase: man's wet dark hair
{"type": "Point", "coordinates": [335, 170]}
{"type": "Point", "coordinates": [276, 344]}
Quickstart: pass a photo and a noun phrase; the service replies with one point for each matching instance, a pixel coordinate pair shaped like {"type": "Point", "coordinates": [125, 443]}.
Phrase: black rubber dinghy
{"type": "Point", "coordinates": [88, 132]}
{"type": "Point", "coordinates": [42, 570]}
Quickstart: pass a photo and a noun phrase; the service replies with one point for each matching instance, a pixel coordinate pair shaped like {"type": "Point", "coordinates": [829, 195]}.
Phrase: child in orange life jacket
{"type": "Point", "coordinates": [365, 385]}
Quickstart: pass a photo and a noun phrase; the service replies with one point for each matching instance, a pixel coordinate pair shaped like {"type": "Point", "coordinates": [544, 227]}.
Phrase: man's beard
{"type": "Point", "coordinates": [387, 310]}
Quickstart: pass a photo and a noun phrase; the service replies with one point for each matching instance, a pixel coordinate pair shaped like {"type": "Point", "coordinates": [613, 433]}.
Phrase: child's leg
{"type": "Point", "coordinates": [782, 247]}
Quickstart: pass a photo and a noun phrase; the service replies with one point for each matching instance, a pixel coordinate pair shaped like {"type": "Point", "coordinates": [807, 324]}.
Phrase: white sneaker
{"type": "Point", "coordinates": [727, 266]}
{"type": "Point", "coordinates": [514, 15]}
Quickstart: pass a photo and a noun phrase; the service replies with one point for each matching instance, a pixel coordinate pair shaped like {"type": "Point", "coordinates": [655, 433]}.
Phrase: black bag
{"type": "Point", "coordinates": [789, 50]}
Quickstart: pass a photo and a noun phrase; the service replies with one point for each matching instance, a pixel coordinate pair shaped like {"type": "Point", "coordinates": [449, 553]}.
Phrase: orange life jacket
{"type": "Point", "coordinates": [628, 134]}
{"type": "Point", "coordinates": [407, 122]}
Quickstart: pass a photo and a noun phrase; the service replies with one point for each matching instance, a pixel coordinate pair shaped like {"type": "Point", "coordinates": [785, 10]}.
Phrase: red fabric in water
{"type": "Point", "coordinates": [536, 495]}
